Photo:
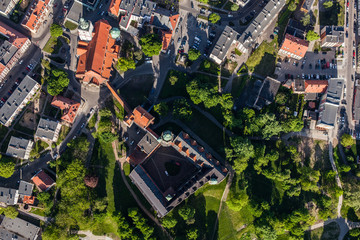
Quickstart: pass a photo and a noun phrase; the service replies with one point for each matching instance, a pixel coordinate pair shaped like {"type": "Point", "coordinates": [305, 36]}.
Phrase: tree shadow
{"type": "Point", "coordinates": [331, 231]}
{"type": "Point", "coordinates": [266, 67]}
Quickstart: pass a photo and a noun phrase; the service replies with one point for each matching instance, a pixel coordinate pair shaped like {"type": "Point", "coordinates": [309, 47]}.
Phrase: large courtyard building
{"type": "Point", "coordinates": [36, 14]}
{"type": "Point", "coordinates": [7, 6]}
{"type": "Point", "coordinates": [329, 104]}
{"type": "Point", "coordinates": [97, 56]}
{"type": "Point", "coordinates": [18, 100]}
{"type": "Point", "coordinates": [12, 46]}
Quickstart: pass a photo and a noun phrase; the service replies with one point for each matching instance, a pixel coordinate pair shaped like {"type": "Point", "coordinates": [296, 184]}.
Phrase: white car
{"type": "Point", "coordinates": [55, 156]}
{"type": "Point", "coordinates": [21, 61]}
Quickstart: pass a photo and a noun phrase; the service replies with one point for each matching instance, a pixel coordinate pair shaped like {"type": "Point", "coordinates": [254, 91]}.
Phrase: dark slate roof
{"type": "Point", "coordinates": [4, 5]}
{"type": "Point", "coordinates": [16, 98]}
{"type": "Point", "coordinates": [46, 128]}
{"type": "Point", "coordinates": [17, 147]}
{"type": "Point", "coordinates": [335, 90]}
{"type": "Point", "coordinates": [334, 34]}
{"type": "Point", "coordinates": [76, 12]}
{"type": "Point", "coordinates": [7, 51]}
{"type": "Point", "coordinates": [7, 235]}
{"type": "Point", "coordinates": [299, 85]}
{"type": "Point", "coordinates": [263, 93]}
{"type": "Point", "coordinates": [228, 36]}
{"type": "Point", "coordinates": [20, 227]}
{"type": "Point", "coordinates": [25, 188]}
{"type": "Point", "coordinates": [8, 196]}
{"type": "Point", "coordinates": [148, 143]}
{"type": "Point", "coordinates": [357, 104]}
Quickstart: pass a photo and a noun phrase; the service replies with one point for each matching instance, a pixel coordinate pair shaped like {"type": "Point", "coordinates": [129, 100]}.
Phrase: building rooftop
{"type": "Point", "coordinates": [295, 45]}
{"type": "Point", "coordinates": [335, 90]}
{"type": "Point", "coordinates": [20, 227]}
{"type": "Point", "coordinates": [148, 143]}
{"type": "Point", "coordinates": [9, 196]}
{"type": "Point", "coordinates": [263, 92]}
{"type": "Point", "coordinates": [17, 98]}
{"type": "Point", "coordinates": [46, 128]}
{"type": "Point", "coordinates": [95, 64]}
{"type": "Point", "coordinates": [19, 147]}
{"type": "Point", "coordinates": [141, 117]}
{"type": "Point", "coordinates": [316, 86]}
{"type": "Point", "coordinates": [327, 115]}
{"type": "Point", "coordinates": [228, 37]}
{"type": "Point", "coordinates": [25, 189]}
{"type": "Point", "coordinates": [76, 12]}
{"type": "Point", "coordinates": [356, 104]}
{"type": "Point", "coordinates": [114, 7]}
{"type": "Point", "coordinates": [33, 17]}
{"type": "Point", "coordinates": [69, 107]}
{"type": "Point", "coordinates": [307, 4]}
{"type": "Point", "coordinates": [333, 34]}
{"type": "Point", "coordinates": [43, 181]}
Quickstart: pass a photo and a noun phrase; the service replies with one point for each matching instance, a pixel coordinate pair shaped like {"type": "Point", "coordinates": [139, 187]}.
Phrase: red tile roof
{"type": "Point", "coordinates": [29, 200]}
{"type": "Point", "coordinates": [295, 45]}
{"type": "Point", "coordinates": [69, 106]}
{"type": "Point", "coordinates": [114, 7]}
{"type": "Point", "coordinates": [166, 39]}
{"type": "Point", "coordinates": [173, 20]}
{"type": "Point", "coordinates": [16, 38]}
{"type": "Point", "coordinates": [95, 64]}
{"type": "Point", "coordinates": [142, 117]}
{"type": "Point", "coordinates": [33, 17]}
{"type": "Point", "coordinates": [315, 86]}
{"type": "Point", "coordinates": [43, 181]}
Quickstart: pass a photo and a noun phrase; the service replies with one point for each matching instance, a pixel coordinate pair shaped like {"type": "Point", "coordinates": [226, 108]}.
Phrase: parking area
{"type": "Point", "coordinates": [312, 66]}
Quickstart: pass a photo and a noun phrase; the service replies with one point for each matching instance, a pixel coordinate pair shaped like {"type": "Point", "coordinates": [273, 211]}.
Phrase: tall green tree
{"type": "Point", "coordinates": [347, 140]}
{"type": "Point", "coordinates": [10, 212]}
{"type": "Point", "coordinates": [56, 30]}
{"type": "Point", "coordinates": [125, 64]}
{"type": "Point", "coordinates": [57, 82]}
{"type": "Point", "coordinates": [292, 6]}
{"type": "Point", "coordinates": [187, 213]}
{"type": "Point", "coordinates": [305, 20]}
{"type": "Point", "coordinates": [328, 4]}
{"type": "Point", "coordinates": [312, 36]}
{"type": "Point", "coordinates": [234, 7]}
{"type": "Point", "coordinates": [182, 109]}
{"type": "Point", "coordinates": [193, 54]}
{"type": "Point", "coordinates": [150, 44]}
{"type": "Point", "coordinates": [7, 167]}
{"type": "Point", "coordinates": [162, 108]}
{"type": "Point", "coordinates": [214, 18]}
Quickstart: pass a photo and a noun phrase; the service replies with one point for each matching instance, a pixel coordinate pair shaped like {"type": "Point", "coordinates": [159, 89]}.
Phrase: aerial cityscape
{"type": "Point", "coordinates": [179, 119]}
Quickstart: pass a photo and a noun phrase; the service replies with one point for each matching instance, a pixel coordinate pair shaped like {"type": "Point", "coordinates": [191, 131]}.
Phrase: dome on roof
{"type": "Point", "coordinates": [83, 24]}
{"type": "Point", "coordinates": [167, 136]}
{"type": "Point", "coordinates": [115, 33]}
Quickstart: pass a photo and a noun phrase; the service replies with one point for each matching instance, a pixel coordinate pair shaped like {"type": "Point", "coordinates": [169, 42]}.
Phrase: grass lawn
{"type": "Point", "coordinates": [178, 89]}
{"type": "Point", "coordinates": [136, 91]}
{"type": "Point", "coordinates": [92, 121]}
{"type": "Point", "coordinates": [262, 60]}
{"type": "Point", "coordinates": [53, 45]}
{"type": "Point", "coordinates": [213, 69]}
{"type": "Point", "coordinates": [216, 3]}
{"type": "Point", "coordinates": [63, 133]}
{"type": "Point", "coordinates": [238, 85]}
{"type": "Point", "coordinates": [70, 25]}
{"type": "Point", "coordinates": [228, 69]}
{"type": "Point", "coordinates": [174, 128]}
{"type": "Point", "coordinates": [38, 211]}
{"type": "Point", "coordinates": [334, 15]}
{"type": "Point", "coordinates": [208, 132]}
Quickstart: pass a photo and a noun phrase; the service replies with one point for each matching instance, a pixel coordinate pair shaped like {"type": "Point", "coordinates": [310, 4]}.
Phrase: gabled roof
{"type": "Point", "coordinates": [34, 14]}
{"type": "Point", "coordinates": [22, 228]}
{"type": "Point", "coordinates": [142, 117]}
{"type": "Point", "coordinates": [114, 7]}
{"type": "Point", "coordinates": [295, 45]}
{"type": "Point", "coordinates": [43, 181]}
{"type": "Point", "coordinates": [166, 39]}
{"type": "Point", "coordinates": [315, 86]}
{"type": "Point", "coordinates": [69, 106]}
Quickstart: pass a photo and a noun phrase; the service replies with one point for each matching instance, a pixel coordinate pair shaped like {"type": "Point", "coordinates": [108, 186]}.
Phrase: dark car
{"type": "Point", "coordinates": [310, 66]}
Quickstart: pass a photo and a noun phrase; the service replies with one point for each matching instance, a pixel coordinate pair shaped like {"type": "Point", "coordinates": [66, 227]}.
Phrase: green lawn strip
{"type": "Point", "coordinates": [70, 25]}
{"type": "Point", "coordinates": [38, 211]}
{"type": "Point", "coordinates": [238, 85]}
{"type": "Point", "coordinates": [92, 121]}
{"type": "Point", "coordinates": [178, 89]}
{"type": "Point", "coordinates": [213, 69]}
{"type": "Point", "coordinates": [53, 45]}
{"type": "Point", "coordinates": [63, 133]}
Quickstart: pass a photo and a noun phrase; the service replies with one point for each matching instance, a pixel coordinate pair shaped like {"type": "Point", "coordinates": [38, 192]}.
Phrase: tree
{"type": "Point", "coordinates": [7, 167]}
{"type": "Point", "coordinates": [305, 20]}
{"type": "Point", "coordinates": [292, 6]}
{"type": "Point", "coordinates": [57, 82]}
{"type": "Point", "coordinates": [347, 140]}
{"type": "Point", "coordinates": [207, 64]}
{"type": "Point", "coordinates": [138, 55]}
{"type": "Point", "coordinates": [150, 44]}
{"type": "Point", "coordinates": [182, 109]}
{"type": "Point", "coordinates": [281, 98]}
{"type": "Point", "coordinates": [10, 212]}
{"type": "Point", "coordinates": [214, 18]}
{"type": "Point", "coordinates": [107, 137]}
{"type": "Point", "coordinates": [192, 234]}
{"type": "Point", "coordinates": [240, 148]}
{"type": "Point", "coordinates": [169, 222]}
{"type": "Point", "coordinates": [354, 232]}
{"type": "Point", "coordinates": [187, 213]}
{"type": "Point", "coordinates": [193, 54]}
{"type": "Point", "coordinates": [328, 4]}
{"type": "Point", "coordinates": [234, 7]}
{"type": "Point", "coordinates": [162, 109]}
{"type": "Point", "coordinates": [173, 79]}
{"type": "Point", "coordinates": [125, 64]}
{"type": "Point", "coordinates": [56, 30]}
{"type": "Point", "coordinates": [237, 200]}
{"type": "Point", "coordinates": [293, 125]}
{"type": "Point", "coordinates": [312, 36]}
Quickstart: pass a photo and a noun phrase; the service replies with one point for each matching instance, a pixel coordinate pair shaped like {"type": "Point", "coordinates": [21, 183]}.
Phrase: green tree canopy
{"type": "Point", "coordinates": [173, 80]}
{"type": "Point", "coordinates": [305, 20]}
{"type": "Point", "coordinates": [328, 4]}
{"type": "Point", "coordinates": [182, 109]}
{"type": "Point", "coordinates": [214, 18]}
{"type": "Point", "coordinates": [193, 54]}
{"type": "Point", "coordinates": [56, 30]}
{"type": "Point", "coordinates": [150, 44]}
{"type": "Point", "coordinates": [234, 7]}
{"type": "Point", "coordinates": [347, 140]}
{"type": "Point", "coordinates": [312, 36]}
{"type": "Point", "coordinates": [187, 213]}
{"type": "Point", "coordinates": [57, 82]}
{"type": "Point", "coordinates": [292, 6]}
{"type": "Point", "coordinates": [162, 108]}
{"type": "Point", "coordinates": [281, 98]}
{"type": "Point", "coordinates": [237, 200]}
{"type": "Point", "coordinates": [169, 222]}
{"type": "Point", "coordinates": [192, 234]}
{"type": "Point", "coordinates": [10, 212]}
{"type": "Point", "coordinates": [125, 64]}
{"type": "Point", "coordinates": [7, 167]}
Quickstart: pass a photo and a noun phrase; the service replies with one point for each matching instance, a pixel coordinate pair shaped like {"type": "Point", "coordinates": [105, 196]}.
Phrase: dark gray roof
{"type": "Point", "coordinates": [148, 143]}
{"type": "Point", "coordinates": [161, 19]}
{"type": "Point", "coordinates": [143, 8]}
{"type": "Point", "coordinates": [76, 12]}
{"type": "Point", "coordinates": [7, 235]}
{"type": "Point", "coordinates": [25, 189]}
{"type": "Point", "coordinates": [327, 114]}
{"type": "Point", "coordinates": [357, 104]}
{"type": "Point", "coordinates": [263, 93]}
{"type": "Point", "coordinates": [124, 21]}
{"type": "Point", "coordinates": [335, 90]}
{"type": "Point", "coordinates": [17, 98]}
{"type": "Point", "coordinates": [4, 5]}
{"type": "Point", "coordinates": [261, 22]}
{"type": "Point", "coordinates": [20, 227]}
{"type": "Point", "coordinates": [8, 196]}
{"type": "Point", "coordinates": [333, 34]}
{"type": "Point", "coordinates": [7, 51]}
{"type": "Point", "coordinates": [299, 85]}
{"type": "Point", "coordinates": [227, 38]}
{"type": "Point", "coordinates": [18, 146]}
{"type": "Point", "coordinates": [46, 128]}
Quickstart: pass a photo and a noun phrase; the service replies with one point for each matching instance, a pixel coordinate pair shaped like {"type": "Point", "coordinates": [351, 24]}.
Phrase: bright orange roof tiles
{"type": "Point", "coordinates": [295, 45]}
{"type": "Point", "coordinates": [173, 20]}
{"type": "Point", "coordinates": [97, 61]}
{"type": "Point", "coordinates": [29, 200]}
{"type": "Point", "coordinates": [142, 117]}
{"type": "Point", "coordinates": [16, 38]}
{"type": "Point", "coordinates": [43, 181]}
{"type": "Point", "coordinates": [166, 39]}
{"type": "Point", "coordinates": [34, 15]}
{"type": "Point", "coordinates": [69, 106]}
{"type": "Point", "coordinates": [316, 86]}
{"type": "Point", "coordinates": [114, 7]}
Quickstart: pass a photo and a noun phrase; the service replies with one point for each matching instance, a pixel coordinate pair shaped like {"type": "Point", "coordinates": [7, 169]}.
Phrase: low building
{"type": "Point", "coordinates": [307, 5]}
{"type": "Point", "coordinates": [140, 117]}
{"type": "Point", "coordinates": [89, 4]}
{"type": "Point", "coordinates": [19, 148]}
{"type": "Point", "coordinates": [242, 3]}
{"type": "Point", "coordinates": [25, 189]}
{"type": "Point", "coordinates": [8, 196]}
{"type": "Point", "coordinates": [36, 14]}
{"type": "Point", "coordinates": [69, 108]}
{"type": "Point", "coordinates": [75, 13]}
{"type": "Point", "coordinates": [18, 100]}
{"type": "Point", "coordinates": [332, 36]}
{"type": "Point", "coordinates": [301, 86]}
{"type": "Point", "coordinates": [47, 130]}
{"type": "Point", "coordinates": [12, 47]}
{"type": "Point", "coordinates": [85, 30]}
{"type": "Point", "coordinates": [253, 33]}
{"type": "Point", "coordinates": [42, 181]}
{"type": "Point", "coordinates": [7, 6]}
{"type": "Point", "coordinates": [329, 104]}
{"type": "Point", "coordinates": [97, 56]}
{"type": "Point", "coordinates": [263, 93]}
{"type": "Point", "coordinates": [19, 229]}
{"type": "Point", "coordinates": [293, 47]}
{"type": "Point", "coordinates": [228, 38]}
{"type": "Point", "coordinates": [356, 105]}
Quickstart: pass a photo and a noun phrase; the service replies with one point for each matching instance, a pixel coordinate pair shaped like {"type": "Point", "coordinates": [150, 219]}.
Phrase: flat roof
{"type": "Point", "coordinates": [20, 227]}
{"type": "Point", "coordinates": [18, 146]}
{"type": "Point", "coordinates": [46, 128]}
{"type": "Point", "coordinates": [227, 38]}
